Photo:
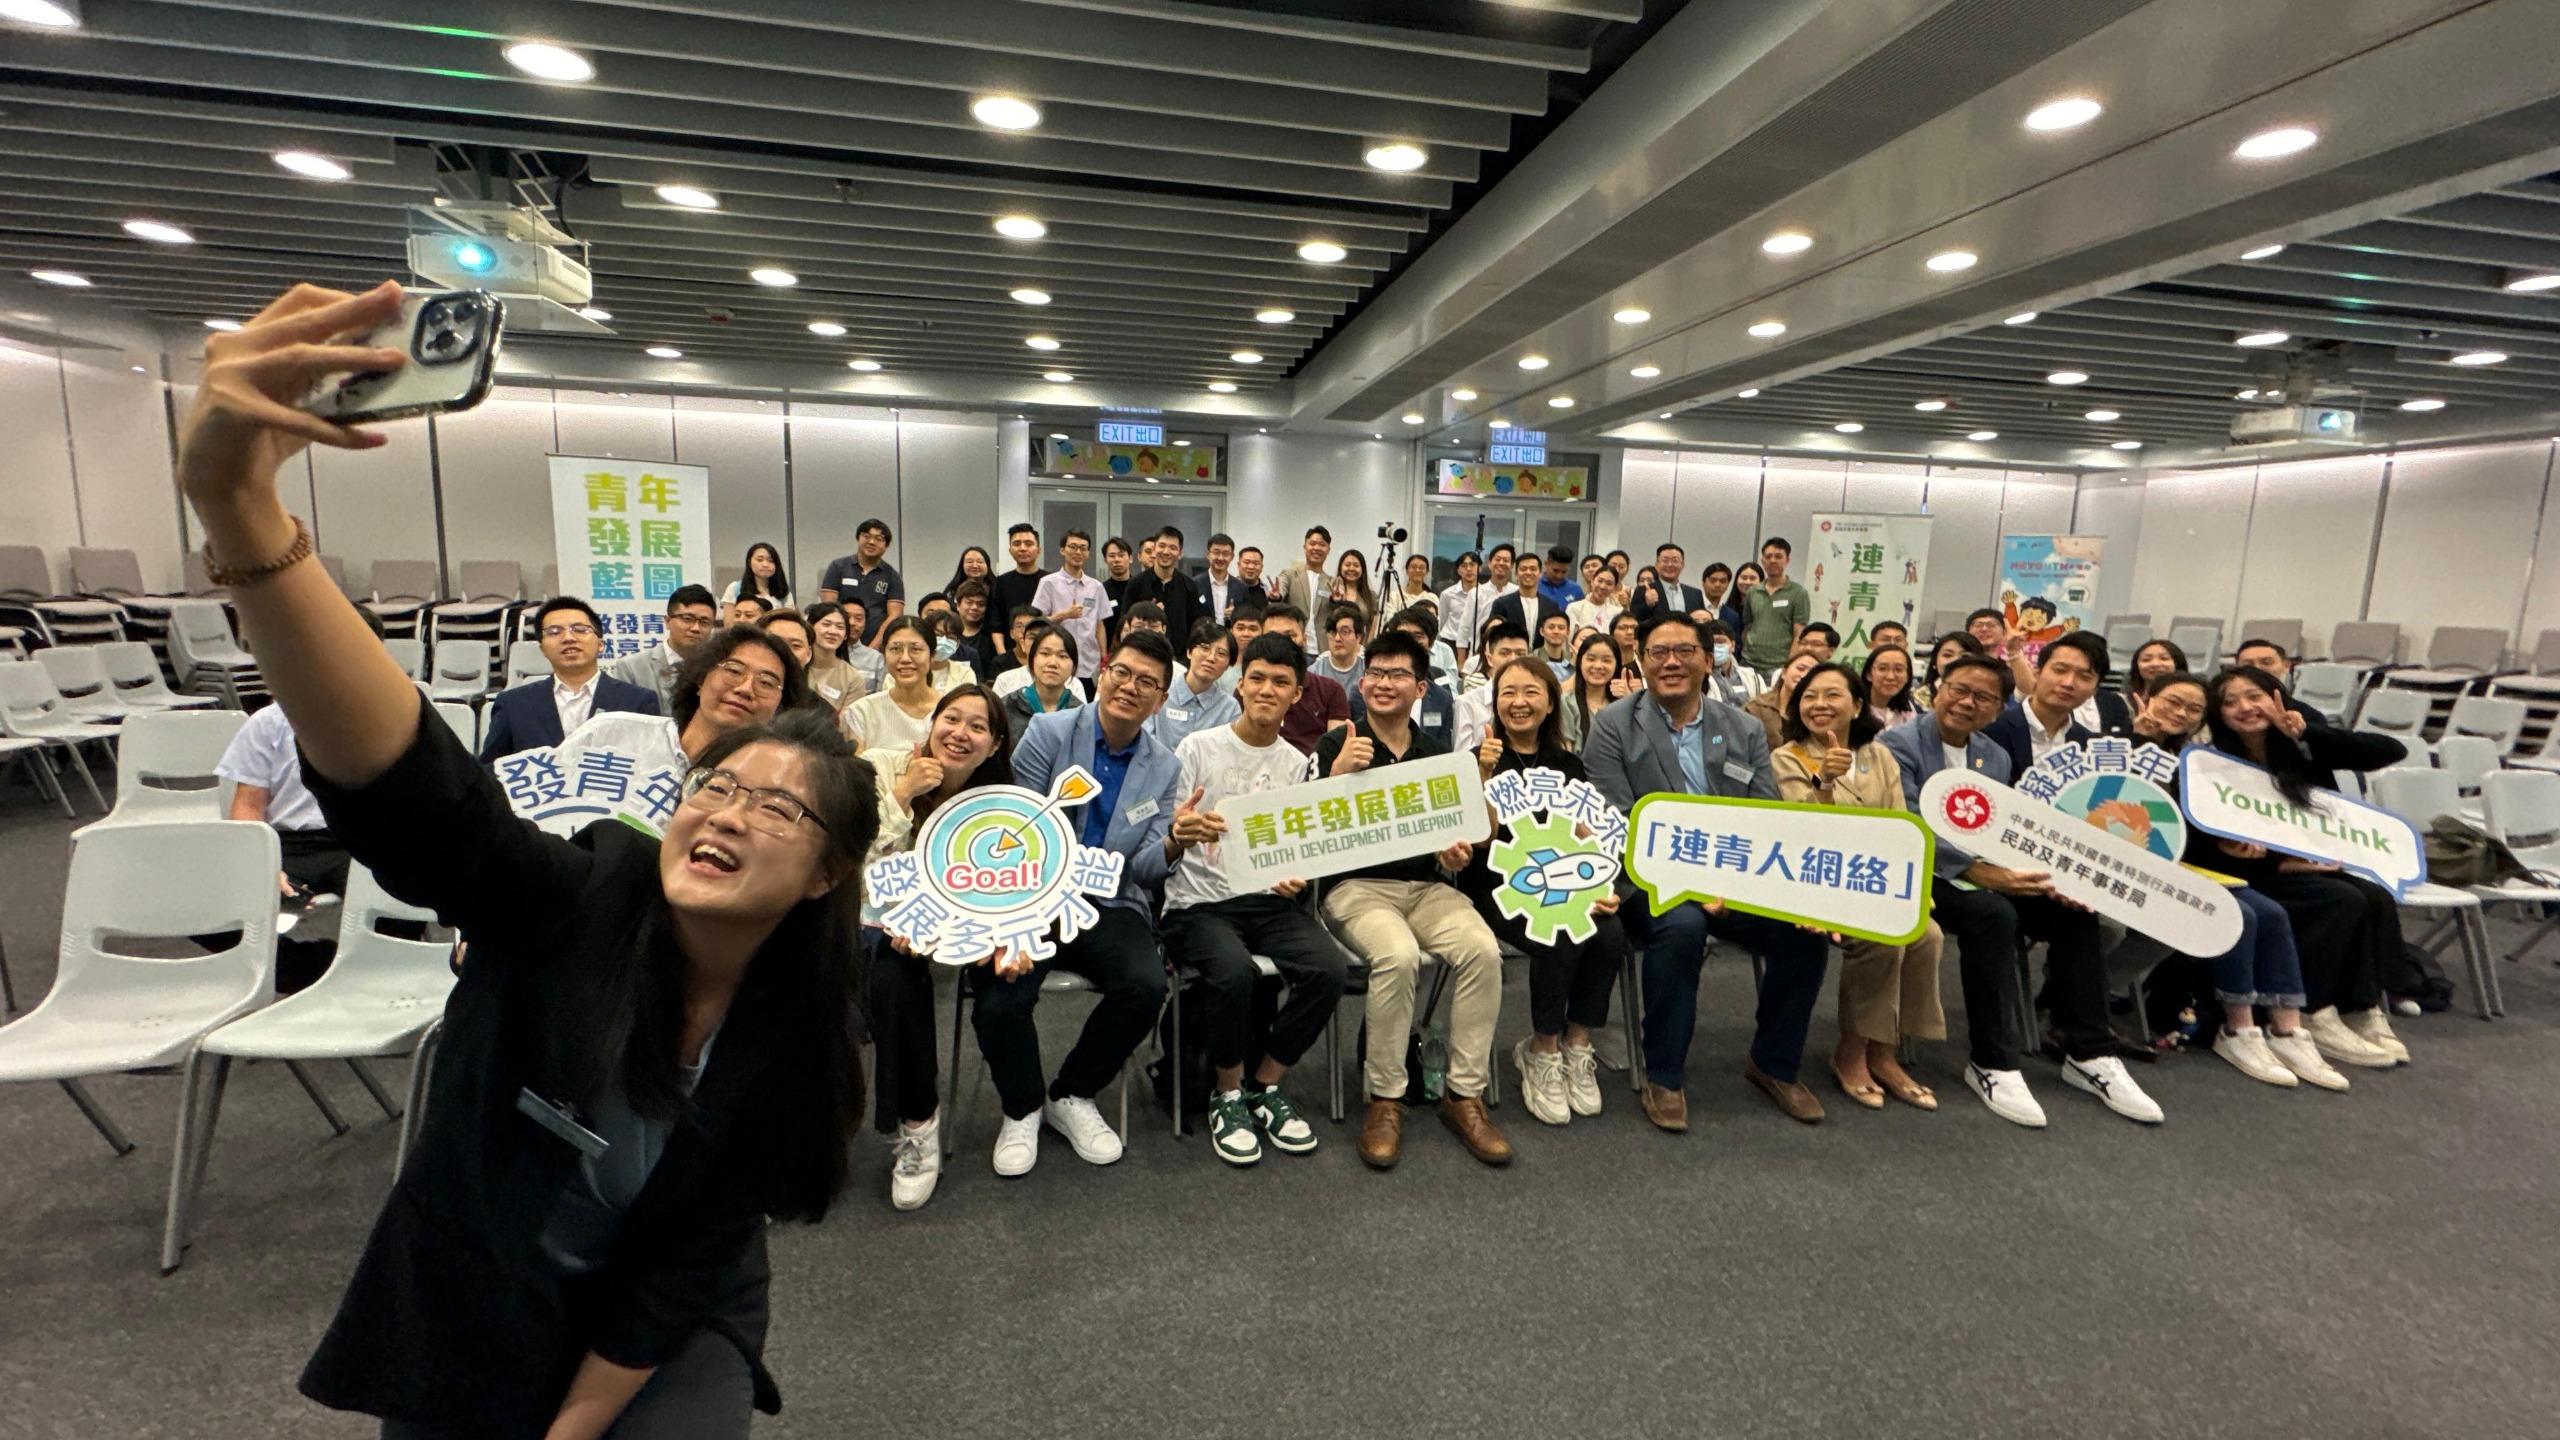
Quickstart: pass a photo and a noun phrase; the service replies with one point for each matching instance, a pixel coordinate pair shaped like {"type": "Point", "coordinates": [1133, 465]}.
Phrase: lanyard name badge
{"type": "Point", "coordinates": [561, 1121]}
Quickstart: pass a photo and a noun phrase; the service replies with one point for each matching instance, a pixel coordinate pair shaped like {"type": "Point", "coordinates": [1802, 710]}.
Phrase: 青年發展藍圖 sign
{"type": "Point", "coordinates": [1349, 822]}
{"type": "Point", "coordinates": [1858, 872]}
{"type": "Point", "coordinates": [2087, 863]}
{"type": "Point", "coordinates": [2238, 801]}
{"type": "Point", "coordinates": [1557, 854]}
{"type": "Point", "coordinates": [628, 534]}
{"type": "Point", "coordinates": [998, 868]}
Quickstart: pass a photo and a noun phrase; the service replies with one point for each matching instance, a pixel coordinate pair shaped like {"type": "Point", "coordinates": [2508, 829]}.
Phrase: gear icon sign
{"type": "Point", "coordinates": [1550, 878]}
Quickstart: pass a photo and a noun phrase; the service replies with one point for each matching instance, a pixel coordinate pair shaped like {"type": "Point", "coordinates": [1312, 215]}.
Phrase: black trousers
{"type": "Point", "coordinates": [704, 1392]}
{"type": "Point", "coordinates": [1221, 939]}
{"type": "Point", "coordinates": [905, 1081]}
{"type": "Point", "coordinates": [1987, 928]}
{"type": "Point", "coordinates": [1570, 981]}
{"type": "Point", "coordinates": [1119, 956]}
{"type": "Point", "coordinates": [2343, 926]}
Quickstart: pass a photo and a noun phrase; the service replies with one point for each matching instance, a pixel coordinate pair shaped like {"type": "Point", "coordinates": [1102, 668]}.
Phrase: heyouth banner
{"type": "Point", "coordinates": [2117, 786]}
{"type": "Point", "coordinates": [1511, 482]}
{"type": "Point", "coordinates": [2087, 863]}
{"type": "Point", "coordinates": [629, 533]}
{"type": "Point", "coordinates": [2236, 800]}
{"type": "Point", "coordinates": [996, 868]}
{"type": "Point", "coordinates": [1858, 872]}
{"type": "Point", "coordinates": [2049, 586]}
{"type": "Point", "coordinates": [623, 767]}
{"type": "Point", "coordinates": [1128, 462]}
{"type": "Point", "coordinates": [1557, 853]}
{"type": "Point", "coordinates": [1861, 569]}
{"type": "Point", "coordinates": [1346, 822]}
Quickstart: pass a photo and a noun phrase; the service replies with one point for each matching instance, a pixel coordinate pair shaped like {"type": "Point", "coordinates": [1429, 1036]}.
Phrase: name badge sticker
{"type": "Point", "coordinates": [1141, 813]}
{"type": "Point", "coordinates": [1737, 771]}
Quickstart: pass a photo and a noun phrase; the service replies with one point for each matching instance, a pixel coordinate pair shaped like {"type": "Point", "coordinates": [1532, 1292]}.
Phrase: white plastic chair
{"type": "Point", "coordinates": [2365, 642]}
{"type": "Point", "coordinates": [2524, 815]}
{"type": "Point", "coordinates": [2501, 722]}
{"type": "Point", "coordinates": [377, 998]}
{"type": "Point", "coordinates": [487, 590]}
{"type": "Point", "coordinates": [80, 678]}
{"type": "Point", "coordinates": [410, 654]}
{"type": "Point", "coordinates": [203, 652]}
{"type": "Point", "coordinates": [2459, 652]}
{"type": "Point", "coordinates": [170, 745]}
{"type": "Point", "coordinates": [112, 1010]}
{"type": "Point", "coordinates": [2327, 687]}
{"type": "Point", "coordinates": [2419, 794]}
{"type": "Point", "coordinates": [2547, 758]}
{"type": "Point", "coordinates": [135, 672]}
{"type": "Point", "coordinates": [2287, 634]}
{"type": "Point", "coordinates": [525, 661]}
{"type": "Point", "coordinates": [2469, 759]}
{"type": "Point", "coordinates": [2400, 714]}
{"type": "Point", "coordinates": [31, 709]}
{"type": "Point", "coordinates": [459, 718]}
{"type": "Point", "coordinates": [2126, 636]}
{"type": "Point", "coordinates": [461, 671]}
{"type": "Point", "coordinates": [2202, 640]}
{"type": "Point", "coordinates": [402, 590]}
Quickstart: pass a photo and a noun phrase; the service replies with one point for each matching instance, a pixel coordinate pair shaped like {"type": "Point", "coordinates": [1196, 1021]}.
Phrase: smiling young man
{"type": "Point", "coordinates": [1306, 585]}
{"type": "Point", "coordinates": [1776, 612]}
{"type": "Point", "coordinates": [1013, 590]}
{"type": "Point", "coordinates": [1212, 926]}
{"type": "Point", "coordinates": [1077, 601]}
{"type": "Point", "coordinates": [1668, 593]}
{"type": "Point", "coordinates": [1161, 583]}
{"type": "Point", "coordinates": [541, 712]}
{"type": "Point", "coordinates": [1222, 588]}
{"type": "Point", "coordinates": [866, 575]}
{"type": "Point", "coordinates": [2068, 673]}
{"type": "Point", "coordinates": [1322, 706]}
{"type": "Point", "coordinates": [691, 616]}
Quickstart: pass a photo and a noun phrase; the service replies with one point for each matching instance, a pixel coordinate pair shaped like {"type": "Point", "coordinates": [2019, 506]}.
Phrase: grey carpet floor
{"type": "Point", "coordinates": [2378, 1264]}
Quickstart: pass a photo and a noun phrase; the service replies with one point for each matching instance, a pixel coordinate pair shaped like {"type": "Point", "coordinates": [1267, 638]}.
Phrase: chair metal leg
{"type": "Point", "coordinates": [1333, 1063]}
{"type": "Point", "coordinates": [216, 1086]}
{"type": "Point", "coordinates": [97, 1117]}
{"type": "Point", "coordinates": [1173, 1062]}
{"type": "Point", "coordinates": [82, 765]}
{"type": "Point", "coordinates": [8, 987]}
{"type": "Point", "coordinates": [421, 1069]}
{"type": "Point", "coordinates": [2477, 928]}
{"type": "Point", "coordinates": [373, 1087]}
{"type": "Point", "coordinates": [311, 1087]}
{"type": "Point", "coordinates": [190, 1083]}
{"type": "Point", "coordinates": [959, 1017]}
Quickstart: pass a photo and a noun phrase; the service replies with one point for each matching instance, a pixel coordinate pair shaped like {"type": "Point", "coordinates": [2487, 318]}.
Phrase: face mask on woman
{"type": "Point", "coordinates": [944, 647]}
{"type": "Point", "coordinates": [1724, 654]}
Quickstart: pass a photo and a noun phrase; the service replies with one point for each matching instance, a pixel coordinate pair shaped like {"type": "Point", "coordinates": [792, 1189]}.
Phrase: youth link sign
{"type": "Point", "coordinates": [1347, 822]}
{"type": "Point", "coordinates": [627, 534]}
{"type": "Point", "coordinates": [1860, 872]}
{"type": "Point", "coordinates": [2238, 801]}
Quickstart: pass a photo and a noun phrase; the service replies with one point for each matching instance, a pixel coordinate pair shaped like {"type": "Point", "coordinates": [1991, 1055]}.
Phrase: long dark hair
{"type": "Point", "coordinates": [798, 1134]}
{"type": "Point", "coordinates": [1863, 726]}
{"type": "Point", "coordinates": [960, 570]}
{"type": "Point", "coordinates": [817, 610]}
{"type": "Point", "coordinates": [780, 590]}
{"type": "Point", "coordinates": [997, 768]}
{"type": "Point", "coordinates": [1963, 642]}
{"type": "Point", "coordinates": [1582, 710]}
{"type": "Point", "coordinates": [2133, 670]}
{"type": "Point", "coordinates": [2296, 773]}
{"type": "Point", "coordinates": [1902, 700]}
{"type": "Point", "coordinates": [723, 644]}
{"type": "Point", "coordinates": [1551, 729]}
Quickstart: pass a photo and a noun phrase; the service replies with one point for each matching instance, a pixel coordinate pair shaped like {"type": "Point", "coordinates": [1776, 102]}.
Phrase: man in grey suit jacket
{"type": "Point", "coordinates": [1130, 815]}
{"type": "Point", "coordinates": [1306, 585]}
{"type": "Point", "coordinates": [1669, 738]}
{"type": "Point", "coordinates": [1987, 909]}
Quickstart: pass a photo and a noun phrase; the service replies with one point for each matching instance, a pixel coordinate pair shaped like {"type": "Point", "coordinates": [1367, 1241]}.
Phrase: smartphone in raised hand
{"type": "Point", "coordinates": [451, 339]}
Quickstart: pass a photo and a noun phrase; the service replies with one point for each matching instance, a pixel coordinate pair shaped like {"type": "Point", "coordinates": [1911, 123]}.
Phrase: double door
{"type": "Point", "coordinates": [1103, 511]}
{"type": "Point", "coordinates": [1458, 526]}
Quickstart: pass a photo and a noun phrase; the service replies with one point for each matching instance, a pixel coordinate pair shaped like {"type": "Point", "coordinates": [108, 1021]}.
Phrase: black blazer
{"type": "Point", "coordinates": [2009, 732]}
{"type": "Point", "coordinates": [453, 1318]}
{"type": "Point", "coordinates": [1202, 585]}
{"type": "Point", "coordinates": [525, 717]}
{"type": "Point", "coordinates": [1506, 606]}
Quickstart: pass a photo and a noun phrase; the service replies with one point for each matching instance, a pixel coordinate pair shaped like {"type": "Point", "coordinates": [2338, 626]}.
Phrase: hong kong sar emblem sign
{"type": "Point", "coordinates": [995, 869]}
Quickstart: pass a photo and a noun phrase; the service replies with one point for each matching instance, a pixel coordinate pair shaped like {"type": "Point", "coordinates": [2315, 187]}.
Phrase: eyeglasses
{"type": "Point", "coordinates": [689, 620]}
{"type": "Point", "coordinates": [1672, 652]}
{"type": "Point", "coordinates": [772, 811]}
{"type": "Point", "coordinates": [763, 682]}
{"type": "Point", "coordinates": [1123, 675]}
{"type": "Point", "coordinates": [555, 632]}
{"type": "Point", "coordinates": [1392, 677]}
{"type": "Point", "coordinates": [1970, 695]}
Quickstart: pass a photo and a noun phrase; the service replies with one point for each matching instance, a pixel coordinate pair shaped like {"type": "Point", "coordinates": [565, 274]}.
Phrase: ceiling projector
{"type": "Point", "coordinates": [511, 251]}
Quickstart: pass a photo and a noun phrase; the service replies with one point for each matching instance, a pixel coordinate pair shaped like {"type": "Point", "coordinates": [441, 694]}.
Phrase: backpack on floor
{"type": "Point", "coordinates": [2460, 853]}
{"type": "Point", "coordinates": [2415, 973]}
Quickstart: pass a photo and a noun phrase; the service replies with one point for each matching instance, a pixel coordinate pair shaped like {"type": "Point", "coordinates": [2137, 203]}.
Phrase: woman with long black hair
{"type": "Point", "coordinates": [651, 1049]}
{"type": "Point", "coordinates": [762, 575]}
{"type": "Point", "coordinates": [973, 564]}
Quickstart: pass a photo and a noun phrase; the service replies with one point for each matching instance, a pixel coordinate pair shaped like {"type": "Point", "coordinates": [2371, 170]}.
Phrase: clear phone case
{"type": "Point", "coordinates": [451, 339]}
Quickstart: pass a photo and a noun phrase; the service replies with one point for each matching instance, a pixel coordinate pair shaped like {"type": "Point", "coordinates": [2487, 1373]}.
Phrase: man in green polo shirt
{"type": "Point", "coordinates": [1776, 612]}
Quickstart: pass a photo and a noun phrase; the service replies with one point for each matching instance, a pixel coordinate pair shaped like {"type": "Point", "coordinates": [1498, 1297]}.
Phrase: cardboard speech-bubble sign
{"type": "Point", "coordinates": [2236, 800]}
{"type": "Point", "coordinates": [996, 868]}
{"type": "Point", "coordinates": [1557, 854]}
{"type": "Point", "coordinates": [1350, 822]}
{"type": "Point", "coordinates": [1858, 872]}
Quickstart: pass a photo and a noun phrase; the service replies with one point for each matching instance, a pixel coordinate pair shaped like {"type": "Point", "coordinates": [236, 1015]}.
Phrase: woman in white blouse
{"type": "Point", "coordinates": [900, 713]}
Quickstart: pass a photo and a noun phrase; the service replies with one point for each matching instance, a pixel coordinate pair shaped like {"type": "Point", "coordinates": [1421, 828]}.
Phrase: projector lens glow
{"type": "Point", "coordinates": [475, 257]}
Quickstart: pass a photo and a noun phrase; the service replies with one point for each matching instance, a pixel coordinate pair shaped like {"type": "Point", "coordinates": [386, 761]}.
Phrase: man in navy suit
{"type": "Point", "coordinates": [540, 712]}
{"type": "Point", "coordinates": [2068, 675]}
{"type": "Point", "coordinates": [1220, 592]}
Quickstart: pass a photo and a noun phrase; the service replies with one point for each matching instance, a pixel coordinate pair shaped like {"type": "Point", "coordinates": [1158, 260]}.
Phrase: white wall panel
{"type": "Point", "coordinates": [1278, 485]}
{"type": "Point", "coordinates": [2308, 536]}
{"type": "Point", "coordinates": [844, 469]}
{"type": "Point", "coordinates": [1645, 486]}
{"type": "Point", "coordinates": [35, 458]}
{"type": "Point", "coordinates": [2542, 592]}
{"type": "Point", "coordinates": [497, 483]}
{"type": "Point", "coordinates": [1715, 505]}
{"type": "Point", "coordinates": [2033, 502]}
{"type": "Point", "coordinates": [1964, 539]}
{"type": "Point", "coordinates": [120, 438]}
{"type": "Point", "coordinates": [1790, 493]}
{"type": "Point", "coordinates": [2113, 509]}
{"type": "Point", "coordinates": [377, 504]}
{"type": "Point", "coordinates": [1878, 488]}
{"type": "Point", "coordinates": [947, 495]}
{"type": "Point", "coordinates": [1013, 486]}
{"type": "Point", "coordinates": [2456, 537]}
{"type": "Point", "coordinates": [740, 442]}
{"type": "Point", "coordinates": [2192, 528]}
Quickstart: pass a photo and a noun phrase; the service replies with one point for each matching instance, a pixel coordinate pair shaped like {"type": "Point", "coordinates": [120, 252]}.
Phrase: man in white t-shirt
{"type": "Point", "coordinates": [1071, 598]}
{"type": "Point", "coordinates": [1220, 931]}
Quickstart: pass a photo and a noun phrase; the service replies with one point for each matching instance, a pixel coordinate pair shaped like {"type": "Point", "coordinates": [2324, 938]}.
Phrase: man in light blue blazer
{"type": "Point", "coordinates": [1129, 815]}
{"type": "Point", "coordinates": [1670, 738]}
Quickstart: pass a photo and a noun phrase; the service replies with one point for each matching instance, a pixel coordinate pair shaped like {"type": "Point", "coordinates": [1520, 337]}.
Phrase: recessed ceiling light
{"type": "Point", "coordinates": [1040, 342]}
{"type": "Point", "coordinates": [1632, 315]}
{"type": "Point", "coordinates": [550, 62]}
{"type": "Point", "coordinates": [2263, 252]}
{"type": "Point", "coordinates": [1849, 427]}
{"type": "Point", "coordinates": [2260, 339]}
{"type": "Point", "coordinates": [2103, 416]}
{"type": "Point", "coordinates": [1462, 396]}
{"type": "Point", "coordinates": [2023, 317]}
{"type": "Point", "coordinates": [665, 352]}
{"type": "Point", "coordinates": [865, 366]}
{"type": "Point", "coordinates": [767, 275]}
{"type": "Point", "coordinates": [46, 13]}
{"type": "Point", "coordinates": [1247, 357]}
{"type": "Point", "coordinates": [2067, 377]}
{"type": "Point", "coordinates": [312, 166]}
{"type": "Point", "coordinates": [1223, 387]}
{"type": "Point", "coordinates": [1181, 442]}
{"type": "Point", "coordinates": [1497, 423]}
{"type": "Point", "coordinates": [138, 370]}
{"type": "Point", "coordinates": [1057, 434]}
{"type": "Point", "coordinates": [1321, 252]}
{"type": "Point", "coordinates": [2274, 144]}
{"type": "Point", "coordinates": [597, 313]}
{"type": "Point", "coordinates": [1665, 415]}
{"type": "Point", "coordinates": [1560, 402]}
{"type": "Point", "coordinates": [2126, 445]}
{"type": "Point", "coordinates": [1398, 155]}
{"type": "Point", "coordinates": [1005, 112]}
{"type": "Point", "coordinates": [1020, 227]}
{"type": "Point", "coordinates": [2481, 357]}
{"type": "Point", "coordinates": [1929, 407]}
{"type": "Point", "coordinates": [1645, 372]}
{"type": "Point", "coordinates": [691, 197]}
{"type": "Point", "coordinates": [2250, 394]}
{"type": "Point", "coordinates": [1275, 316]}
{"type": "Point", "coordinates": [158, 232]}
{"type": "Point", "coordinates": [828, 328]}
{"type": "Point", "coordinates": [2422, 405]}
{"type": "Point", "coordinates": [1787, 242]}
{"type": "Point", "coordinates": [2069, 113]}
{"type": "Point", "coordinates": [1948, 262]}
{"type": "Point", "coordinates": [1750, 394]}
{"type": "Point", "coordinates": [2533, 282]}
{"type": "Point", "coordinates": [1980, 435]}
{"type": "Point", "coordinates": [1029, 296]}
{"type": "Point", "coordinates": [218, 324]}
{"type": "Point", "coordinates": [1410, 418]}
{"type": "Point", "coordinates": [69, 279]}
{"type": "Point", "coordinates": [1768, 330]}
{"type": "Point", "coordinates": [1057, 377]}
{"type": "Point", "coordinates": [1533, 362]}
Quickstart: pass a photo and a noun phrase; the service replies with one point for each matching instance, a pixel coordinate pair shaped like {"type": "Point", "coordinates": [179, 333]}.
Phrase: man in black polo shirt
{"type": "Point", "coordinates": [1013, 589]}
{"type": "Point", "coordinates": [866, 575]}
{"type": "Point", "coordinates": [1165, 584]}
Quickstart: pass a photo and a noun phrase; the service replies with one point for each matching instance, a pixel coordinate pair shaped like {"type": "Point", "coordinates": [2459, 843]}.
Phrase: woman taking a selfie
{"type": "Point", "coordinates": [651, 1049]}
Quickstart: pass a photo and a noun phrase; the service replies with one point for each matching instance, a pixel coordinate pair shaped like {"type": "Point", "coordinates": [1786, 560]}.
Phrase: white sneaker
{"type": "Point", "coordinates": [1542, 1082]}
{"type": "Point", "coordinates": [915, 1165]}
{"type": "Point", "coordinates": [2106, 1078]}
{"type": "Point", "coordinates": [2296, 1053]}
{"type": "Point", "coordinates": [1582, 1079]}
{"type": "Point", "coordinates": [2248, 1053]}
{"type": "Point", "coordinates": [1018, 1145]}
{"type": "Point", "coordinates": [1092, 1136]}
{"type": "Point", "coordinates": [2407, 1007]}
{"type": "Point", "coordinates": [2373, 1027]}
{"type": "Point", "coordinates": [2342, 1044]}
{"type": "Point", "coordinates": [2005, 1091]}
{"type": "Point", "coordinates": [1231, 1132]}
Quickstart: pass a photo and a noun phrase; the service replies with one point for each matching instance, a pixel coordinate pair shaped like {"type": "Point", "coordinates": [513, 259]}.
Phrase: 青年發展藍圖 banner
{"type": "Point", "coordinates": [1859, 872]}
{"type": "Point", "coordinates": [2238, 801]}
{"type": "Point", "coordinates": [1349, 822]}
{"type": "Point", "coordinates": [629, 533]}
{"type": "Point", "coordinates": [1861, 569]}
{"type": "Point", "coordinates": [2049, 587]}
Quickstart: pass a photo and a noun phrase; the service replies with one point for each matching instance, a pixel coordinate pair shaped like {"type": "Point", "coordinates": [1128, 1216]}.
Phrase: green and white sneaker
{"type": "Point", "coordinates": [1231, 1129]}
{"type": "Point", "coordinates": [1280, 1122]}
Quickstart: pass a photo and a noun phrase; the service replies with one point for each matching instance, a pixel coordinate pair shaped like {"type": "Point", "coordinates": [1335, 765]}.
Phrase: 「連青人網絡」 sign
{"type": "Point", "coordinates": [1858, 872]}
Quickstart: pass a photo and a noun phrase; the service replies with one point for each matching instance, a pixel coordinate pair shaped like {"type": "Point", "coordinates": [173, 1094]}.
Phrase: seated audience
{"type": "Point", "coordinates": [1887, 678]}
{"type": "Point", "coordinates": [1047, 681]}
{"type": "Point", "coordinates": [1769, 707]}
{"type": "Point", "coordinates": [1435, 714]}
{"type": "Point", "coordinates": [2153, 658]}
{"type": "Point", "coordinates": [1345, 627]}
{"type": "Point", "coordinates": [1322, 706]}
{"type": "Point", "coordinates": [1727, 679]}
{"type": "Point", "coordinates": [1600, 606]}
{"type": "Point", "coordinates": [745, 610]}
{"type": "Point", "coordinates": [691, 616]}
{"type": "Point", "coordinates": [1594, 682]}
{"type": "Point", "coordinates": [540, 712]}
{"type": "Point", "coordinates": [1820, 639]}
{"type": "Point", "coordinates": [833, 678]}
{"type": "Point", "coordinates": [897, 717]}
{"type": "Point", "coordinates": [2070, 670]}
{"type": "Point", "coordinates": [1197, 701]}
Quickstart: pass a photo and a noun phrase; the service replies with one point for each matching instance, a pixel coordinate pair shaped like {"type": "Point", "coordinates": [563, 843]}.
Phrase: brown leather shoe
{"type": "Point", "coordinates": [1667, 1109]}
{"type": "Point", "coordinates": [1796, 1101]}
{"type": "Point", "coordinates": [1382, 1134]}
{"type": "Point", "coordinates": [1465, 1117]}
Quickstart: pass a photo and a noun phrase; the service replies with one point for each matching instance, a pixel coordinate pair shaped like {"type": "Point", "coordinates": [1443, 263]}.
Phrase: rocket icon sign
{"type": "Point", "coordinates": [1551, 876]}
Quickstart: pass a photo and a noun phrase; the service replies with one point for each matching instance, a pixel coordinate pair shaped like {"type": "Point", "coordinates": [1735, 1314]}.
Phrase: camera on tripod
{"type": "Point", "coordinates": [1393, 533]}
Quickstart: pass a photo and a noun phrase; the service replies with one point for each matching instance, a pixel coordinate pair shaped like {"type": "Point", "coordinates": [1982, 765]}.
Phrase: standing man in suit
{"type": "Point", "coordinates": [1987, 908]}
{"type": "Point", "coordinates": [1651, 600]}
{"type": "Point", "coordinates": [1219, 591]}
{"type": "Point", "coordinates": [1524, 607]}
{"type": "Point", "coordinates": [1669, 738]}
{"type": "Point", "coordinates": [1306, 585]}
{"type": "Point", "coordinates": [2069, 673]}
{"type": "Point", "coordinates": [1129, 813]}
{"type": "Point", "coordinates": [540, 712]}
